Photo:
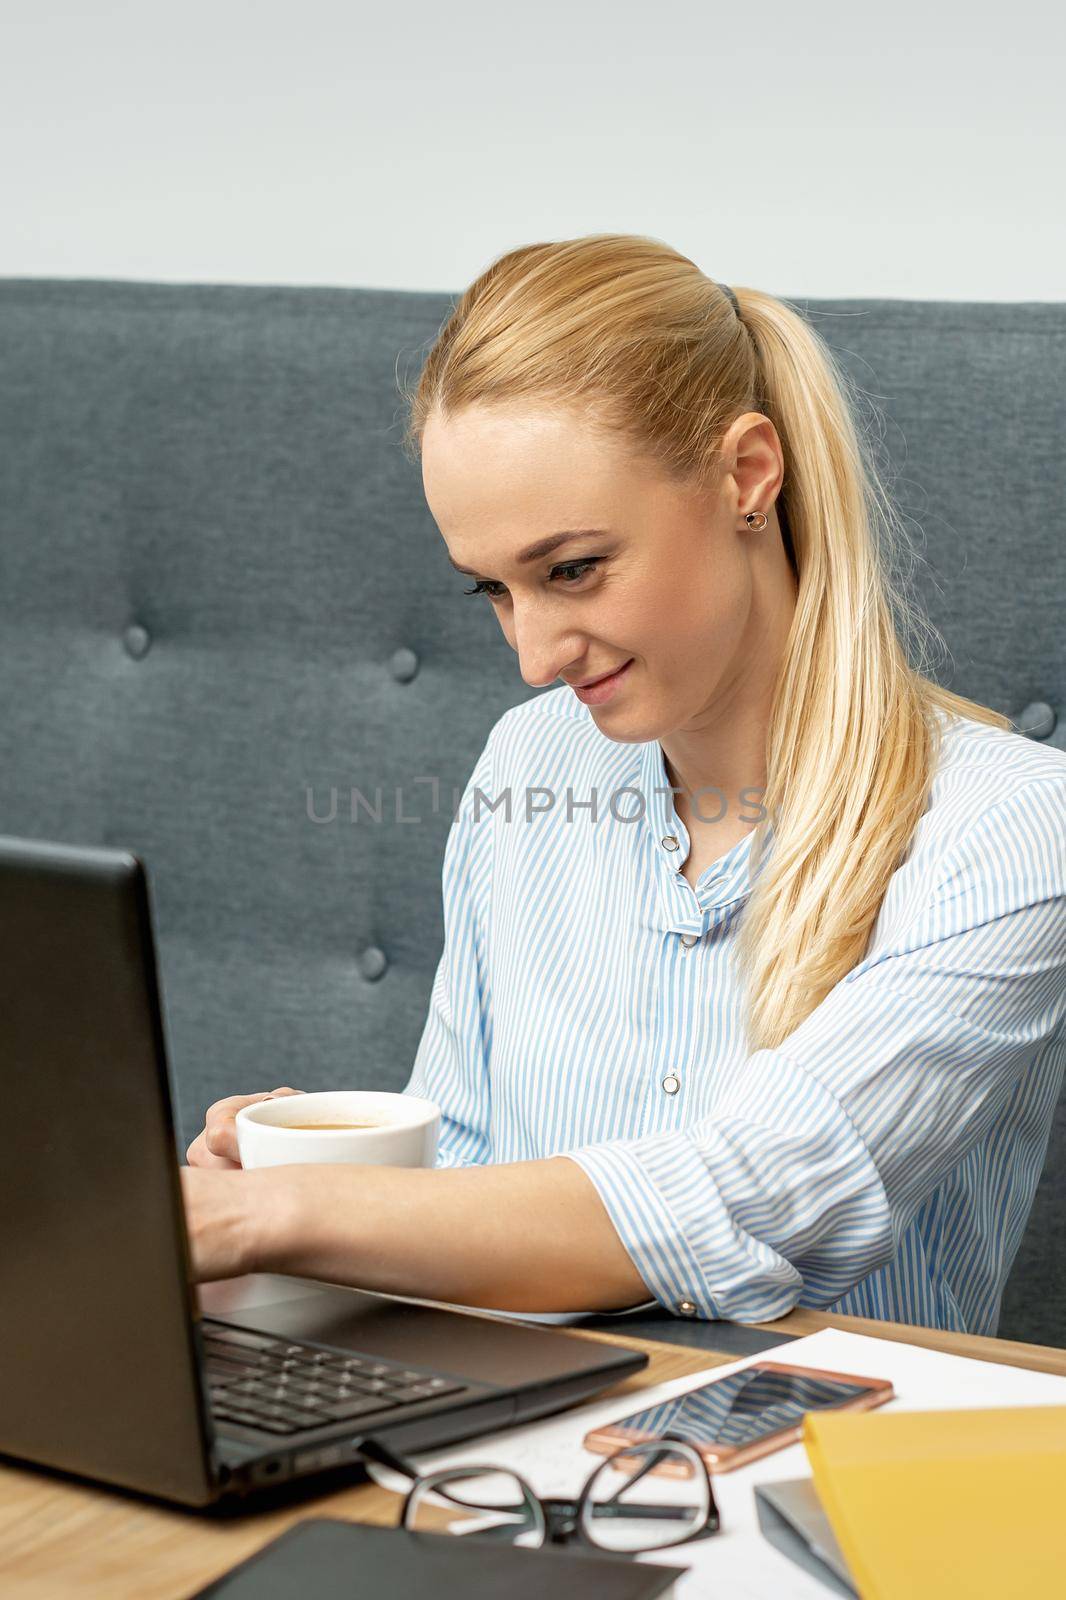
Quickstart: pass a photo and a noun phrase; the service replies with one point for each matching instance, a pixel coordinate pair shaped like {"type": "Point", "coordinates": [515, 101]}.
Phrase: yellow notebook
{"type": "Point", "coordinates": [941, 1504]}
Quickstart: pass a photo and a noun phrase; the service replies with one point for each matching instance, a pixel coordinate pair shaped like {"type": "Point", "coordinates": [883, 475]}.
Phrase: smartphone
{"type": "Point", "coordinates": [736, 1419]}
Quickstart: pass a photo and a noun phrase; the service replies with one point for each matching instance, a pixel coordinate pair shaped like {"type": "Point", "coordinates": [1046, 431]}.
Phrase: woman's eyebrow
{"type": "Point", "coordinates": [543, 547]}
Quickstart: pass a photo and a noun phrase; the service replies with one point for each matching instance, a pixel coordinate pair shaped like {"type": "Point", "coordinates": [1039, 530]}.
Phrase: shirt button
{"type": "Point", "coordinates": [686, 1308]}
{"type": "Point", "coordinates": [671, 1084]}
{"type": "Point", "coordinates": [671, 842]}
{"type": "Point", "coordinates": [689, 939]}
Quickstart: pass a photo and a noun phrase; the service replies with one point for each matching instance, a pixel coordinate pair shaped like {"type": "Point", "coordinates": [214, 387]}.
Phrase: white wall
{"type": "Point", "coordinates": [823, 150]}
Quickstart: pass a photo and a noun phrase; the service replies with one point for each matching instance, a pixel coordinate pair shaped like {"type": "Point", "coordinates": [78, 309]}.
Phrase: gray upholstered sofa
{"type": "Point", "coordinates": [223, 598]}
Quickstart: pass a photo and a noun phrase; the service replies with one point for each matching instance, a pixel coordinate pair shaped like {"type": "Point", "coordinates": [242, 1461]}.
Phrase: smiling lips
{"type": "Point", "coordinates": [603, 689]}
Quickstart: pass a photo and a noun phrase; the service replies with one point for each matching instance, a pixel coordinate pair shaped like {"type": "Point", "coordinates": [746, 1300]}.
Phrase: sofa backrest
{"type": "Point", "coordinates": [224, 598]}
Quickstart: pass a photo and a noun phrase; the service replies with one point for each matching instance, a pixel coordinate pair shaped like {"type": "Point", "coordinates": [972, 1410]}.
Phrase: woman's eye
{"type": "Point", "coordinates": [487, 585]}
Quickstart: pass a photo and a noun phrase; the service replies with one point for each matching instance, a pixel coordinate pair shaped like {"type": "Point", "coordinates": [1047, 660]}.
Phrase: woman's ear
{"type": "Point", "coordinates": [758, 459]}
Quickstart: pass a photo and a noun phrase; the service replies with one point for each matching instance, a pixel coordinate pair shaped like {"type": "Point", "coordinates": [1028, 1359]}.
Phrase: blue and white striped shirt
{"type": "Point", "coordinates": [883, 1159]}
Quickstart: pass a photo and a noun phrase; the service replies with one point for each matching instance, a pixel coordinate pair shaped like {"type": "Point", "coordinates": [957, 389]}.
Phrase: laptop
{"type": "Point", "coordinates": [114, 1366]}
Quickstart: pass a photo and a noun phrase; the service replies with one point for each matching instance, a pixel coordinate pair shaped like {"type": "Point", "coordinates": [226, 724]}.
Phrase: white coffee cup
{"type": "Point", "coordinates": [404, 1131]}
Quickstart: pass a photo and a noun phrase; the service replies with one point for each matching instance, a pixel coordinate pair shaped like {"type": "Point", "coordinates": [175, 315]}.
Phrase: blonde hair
{"type": "Point", "coordinates": [634, 334]}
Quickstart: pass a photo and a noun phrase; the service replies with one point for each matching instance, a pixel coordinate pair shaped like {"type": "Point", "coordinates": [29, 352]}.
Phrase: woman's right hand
{"type": "Point", "coordinates": [216, 1145]}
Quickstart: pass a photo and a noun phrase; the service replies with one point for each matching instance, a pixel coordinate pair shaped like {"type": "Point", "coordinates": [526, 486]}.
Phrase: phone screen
{"type": "Point", "coordinates": [743, 1407]}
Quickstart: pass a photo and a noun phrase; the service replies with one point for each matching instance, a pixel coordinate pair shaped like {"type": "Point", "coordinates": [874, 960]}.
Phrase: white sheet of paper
{"type": "Point", "coordinates": [738, 1561]}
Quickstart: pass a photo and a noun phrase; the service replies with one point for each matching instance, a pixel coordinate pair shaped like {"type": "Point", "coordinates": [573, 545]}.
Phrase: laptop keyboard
{"type": "Point", "coordinates": [264, 1382]}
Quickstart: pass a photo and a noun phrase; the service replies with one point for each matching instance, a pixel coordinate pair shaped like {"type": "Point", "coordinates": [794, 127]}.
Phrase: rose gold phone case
{"type": "Point", "coordinates": [726, 1457]}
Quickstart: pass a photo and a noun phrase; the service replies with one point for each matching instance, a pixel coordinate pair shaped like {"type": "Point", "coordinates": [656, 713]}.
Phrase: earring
{"type": "Point", "coordinates": [756, 520]}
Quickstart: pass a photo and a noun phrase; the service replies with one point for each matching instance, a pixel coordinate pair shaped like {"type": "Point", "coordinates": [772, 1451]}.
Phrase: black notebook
{"type": "Point", "coordinates": [326, 1558]}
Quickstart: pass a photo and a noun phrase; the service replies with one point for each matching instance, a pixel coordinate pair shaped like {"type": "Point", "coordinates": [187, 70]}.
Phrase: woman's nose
{"type": "Point", "coordinates": [542, 659]}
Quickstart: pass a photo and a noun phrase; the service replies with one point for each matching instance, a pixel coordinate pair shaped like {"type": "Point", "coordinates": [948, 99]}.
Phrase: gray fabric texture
{"type": "Point", "coordinates": [223, 596]}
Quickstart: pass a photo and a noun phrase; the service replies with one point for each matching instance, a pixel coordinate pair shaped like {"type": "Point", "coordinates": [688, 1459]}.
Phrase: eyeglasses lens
{"type": "Point", "coordinates": [494, 1504]}
{"type": "Point", "coordinates": [647, 1497]}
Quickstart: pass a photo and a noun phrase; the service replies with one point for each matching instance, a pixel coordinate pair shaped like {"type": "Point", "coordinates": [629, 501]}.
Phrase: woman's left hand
{"type": "Point", "coordinates": [220, 1207]}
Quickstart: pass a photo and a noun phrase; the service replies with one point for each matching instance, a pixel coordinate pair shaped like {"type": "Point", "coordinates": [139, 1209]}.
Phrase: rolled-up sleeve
{"type": "Point", "coordinates": [452, 1062]}
{"type": "Point", "coordinates": [809, 1170]}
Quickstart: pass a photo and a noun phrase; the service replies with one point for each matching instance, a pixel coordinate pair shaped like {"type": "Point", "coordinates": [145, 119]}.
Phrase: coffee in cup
{"type": "Point", "coordinates": [366, 1127]}
{"type": "Point", "coordinates": [353, 1124]}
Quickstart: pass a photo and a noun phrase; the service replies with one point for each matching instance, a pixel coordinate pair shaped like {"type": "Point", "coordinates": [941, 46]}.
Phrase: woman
{"type": "Point", "coordinates": [755, 996]}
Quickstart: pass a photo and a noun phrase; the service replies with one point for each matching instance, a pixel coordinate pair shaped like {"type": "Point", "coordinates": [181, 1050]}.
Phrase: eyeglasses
{"type": "Point", "coordinates": [672, 1508]}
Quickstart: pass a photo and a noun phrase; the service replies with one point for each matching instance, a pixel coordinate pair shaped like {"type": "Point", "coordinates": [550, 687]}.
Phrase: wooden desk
{"type": "Point", "coordinates": [60, 1539]}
